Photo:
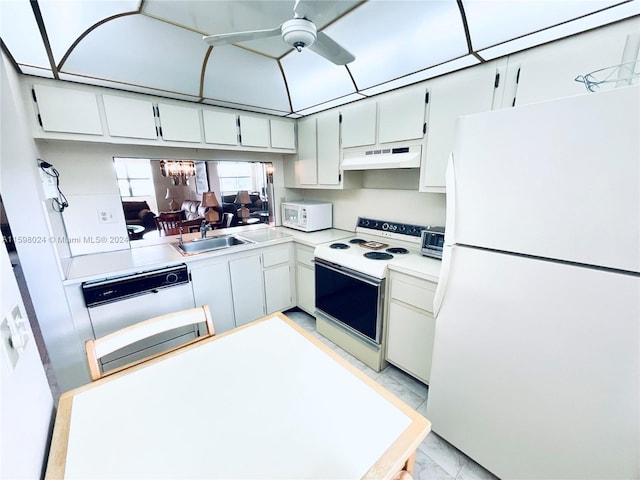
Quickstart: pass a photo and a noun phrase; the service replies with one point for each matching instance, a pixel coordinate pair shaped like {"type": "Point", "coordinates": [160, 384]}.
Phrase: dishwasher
{"type": "Point", "coordinates": [118, 302]}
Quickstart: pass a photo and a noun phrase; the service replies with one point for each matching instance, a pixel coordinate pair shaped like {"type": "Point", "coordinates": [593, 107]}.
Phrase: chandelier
{"type": "Point", "coordinates": [178, 170]}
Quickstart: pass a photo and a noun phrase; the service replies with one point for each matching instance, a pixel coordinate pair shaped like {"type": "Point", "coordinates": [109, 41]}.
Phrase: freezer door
{"type": "Point", "coordinates": [535, 368]}
{"type": "Point", "coordinates": [556, 179]}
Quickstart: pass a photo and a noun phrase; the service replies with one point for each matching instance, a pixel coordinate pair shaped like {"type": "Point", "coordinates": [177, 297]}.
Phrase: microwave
{"type": "Point", "coordinates": [432, 242]}
{"type": "Point", "coordinates": [307, 215]}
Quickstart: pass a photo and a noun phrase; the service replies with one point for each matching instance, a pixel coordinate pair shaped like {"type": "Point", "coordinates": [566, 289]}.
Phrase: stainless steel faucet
{"type": "Point", "coordinates": [204, 228]}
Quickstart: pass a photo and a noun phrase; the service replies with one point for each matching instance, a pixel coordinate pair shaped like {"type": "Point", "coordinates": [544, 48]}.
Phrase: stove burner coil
{"type": "Point", "coordinates": [378, 255]}
{"type": "Point", "coordinates": [399, 250]}
{"type": "Point", "coordinates": [357, 240]}
{"type": "Point", "coordinates": [339, 246]}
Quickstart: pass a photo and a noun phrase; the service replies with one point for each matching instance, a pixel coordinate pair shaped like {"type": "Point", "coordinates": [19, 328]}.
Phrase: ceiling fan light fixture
{"type": "Point", "coordinates": [299, 33]}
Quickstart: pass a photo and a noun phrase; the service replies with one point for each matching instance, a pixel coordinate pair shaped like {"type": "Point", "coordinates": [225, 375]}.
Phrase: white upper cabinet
{"type": "Point", "coordinates": [402, 115]}
{"type": "Point", "coordinates": [254, 131]}
{"type": "Point", "coordinates": [67, 111]}
{"type": "Point", "coordinates": [180, 124]}
{"type": "Point", "coordinates": [549, 71]}
{"type": "Point", "coordinates": [460, 93]}
{"type": "Point", "coordinates": [307, 162]}
{"type": "Point", "coordinates": [220, 127]}
{"type": "Point", "coordinates": [328, 150]}
{"type": "Point", "coordinates": [359, 124]}
{"type": "Point", "coordinates": [317, 164]}
{"type": "Point", "coordinates": [283, 134]}
{"type": "Point", "coordinates": [129, 117]}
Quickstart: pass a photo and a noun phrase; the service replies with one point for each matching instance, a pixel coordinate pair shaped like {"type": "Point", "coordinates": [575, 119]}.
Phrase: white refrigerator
{"type": "Point", "coordinates": [536, 366]}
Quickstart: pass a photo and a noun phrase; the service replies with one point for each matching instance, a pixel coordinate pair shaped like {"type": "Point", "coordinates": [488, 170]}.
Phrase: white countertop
{"type": "Point", "coordinates": [160, 252]}
{"type": "Point", "coordinates": [312, 239]}
{"type": "Point", "coordinates": [418, 266]}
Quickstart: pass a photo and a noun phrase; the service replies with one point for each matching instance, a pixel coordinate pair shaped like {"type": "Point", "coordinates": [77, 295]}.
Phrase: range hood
{"type": "Point", "coordinates": [382, 158]}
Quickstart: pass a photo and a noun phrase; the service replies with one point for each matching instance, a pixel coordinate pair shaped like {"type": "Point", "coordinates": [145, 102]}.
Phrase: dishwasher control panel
{"type": "Point", "coordinates": [99, 292]}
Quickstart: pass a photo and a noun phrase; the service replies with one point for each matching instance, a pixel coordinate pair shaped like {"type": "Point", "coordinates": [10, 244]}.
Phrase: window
{"type": "Point", "coordinates": [134, 177]}
{"type": "Point", "coordinates": [236, 176]}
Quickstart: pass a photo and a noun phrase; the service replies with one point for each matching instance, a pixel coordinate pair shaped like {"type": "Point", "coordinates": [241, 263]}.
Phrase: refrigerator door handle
{"type": "Point", "coordinates": [450, 218]}
{"type": "Point", "coordinates": [443, 279]}
{"type": "Point", "coordinates": [449, 236]}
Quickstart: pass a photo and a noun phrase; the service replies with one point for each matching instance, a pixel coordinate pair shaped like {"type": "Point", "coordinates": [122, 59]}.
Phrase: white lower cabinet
{"type": "Point", "coordinates": [211, 285]}
{"type": "Point", "coordinates": [410, 324]}
{"type": "Point", "coordinates": [276, 264]}
{"type": "Point", "coordinates": [247, 288]}
{"type": "Point", "coordinates": [305, 279]}
{"type": "Point", "coordinates": [244, 287]}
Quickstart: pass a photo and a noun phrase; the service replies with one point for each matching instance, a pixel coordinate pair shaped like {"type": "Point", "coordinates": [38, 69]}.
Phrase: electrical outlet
{"type": "Point", "coordinates": [106, 216]}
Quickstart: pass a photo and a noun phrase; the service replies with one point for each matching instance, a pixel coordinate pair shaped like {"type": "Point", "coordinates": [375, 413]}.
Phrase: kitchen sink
{"type": "Point", "coordinates": [201, 245]}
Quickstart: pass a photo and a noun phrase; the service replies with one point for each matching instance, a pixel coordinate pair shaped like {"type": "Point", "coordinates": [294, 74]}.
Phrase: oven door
{"type": "Point", "coordinates": [353, 299]}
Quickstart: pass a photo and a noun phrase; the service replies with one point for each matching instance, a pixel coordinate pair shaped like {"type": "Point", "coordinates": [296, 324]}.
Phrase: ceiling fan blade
{"type": "Point", "coordinates": [331, 50]}
{"type": "Point", "coordinates": [228, 38]}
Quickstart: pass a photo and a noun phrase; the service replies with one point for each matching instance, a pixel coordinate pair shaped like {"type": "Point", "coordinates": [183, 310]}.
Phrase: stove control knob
{"type": "Point", "coordinates": [402, 228]}
{"type": "Point", "coordinates": [365, 223]}
{"type": "Point", "coordinates": [385, 226]}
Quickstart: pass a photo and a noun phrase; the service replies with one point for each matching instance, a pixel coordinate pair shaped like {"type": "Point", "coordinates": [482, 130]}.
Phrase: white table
{"type": "Point", "coordinates": [267, 400]}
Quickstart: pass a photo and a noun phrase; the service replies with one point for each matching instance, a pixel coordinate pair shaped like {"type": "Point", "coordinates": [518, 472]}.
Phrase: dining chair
{"type": "Point", "coordinates": [169, 223]}
{"type": "Point", "coordinates": [100, 347]}
{"type": "Point", "coordinates": [227, 218]}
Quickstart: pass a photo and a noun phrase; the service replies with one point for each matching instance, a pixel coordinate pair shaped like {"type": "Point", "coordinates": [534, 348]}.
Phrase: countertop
{"type": "Point", "coordinates": [159, 252]}
{"type": "Point", "coordinates": [418, 266]}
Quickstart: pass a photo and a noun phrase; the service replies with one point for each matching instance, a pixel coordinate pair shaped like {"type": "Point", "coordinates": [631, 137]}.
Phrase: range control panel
{"type": "Point", "coordinates": [391, 227]}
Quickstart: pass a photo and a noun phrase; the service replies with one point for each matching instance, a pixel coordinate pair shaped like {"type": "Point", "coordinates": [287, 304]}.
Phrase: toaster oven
{"type": "Point", "coordinates": [432, 242]}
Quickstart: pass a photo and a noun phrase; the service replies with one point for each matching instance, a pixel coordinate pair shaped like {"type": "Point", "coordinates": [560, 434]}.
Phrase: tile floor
{"type": "Point", "coordinates": [436, 459]}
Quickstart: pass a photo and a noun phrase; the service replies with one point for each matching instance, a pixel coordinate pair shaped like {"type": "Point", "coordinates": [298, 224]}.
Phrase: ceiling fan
{"type": "Point", "coordinates": [299, 32]}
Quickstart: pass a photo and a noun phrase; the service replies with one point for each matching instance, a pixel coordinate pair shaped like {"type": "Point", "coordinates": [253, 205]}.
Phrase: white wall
{"type": "Point", "coordinates": [26, 404]}
{"type": "Point", "coordinates": [88, 179]}
{"type": "Point", "coordinates": [403, 206]}
{"type": "Point", "coordinates": [30, 217]}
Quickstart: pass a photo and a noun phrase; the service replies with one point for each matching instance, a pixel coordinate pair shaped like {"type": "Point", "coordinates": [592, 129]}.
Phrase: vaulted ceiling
{"type": "Point", "coordinates": [156, 46]}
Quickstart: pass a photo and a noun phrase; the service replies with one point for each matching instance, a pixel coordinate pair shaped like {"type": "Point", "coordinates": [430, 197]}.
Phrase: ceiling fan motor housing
{"type": "Point", "coordinates": [298, 33]}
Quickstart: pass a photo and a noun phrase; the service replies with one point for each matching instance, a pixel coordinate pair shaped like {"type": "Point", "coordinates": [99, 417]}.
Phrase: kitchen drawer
{"type": "Point", "coordinates": [304, 255]}
{"type": "Point", "coordinates": [413, 291]}
{"type": "Point", "coordinates": [275, 257]}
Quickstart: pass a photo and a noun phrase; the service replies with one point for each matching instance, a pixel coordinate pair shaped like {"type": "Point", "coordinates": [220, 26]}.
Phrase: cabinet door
{"type": "Point", "coordinates": [69, 111]}
{"type": "Point", "coordinates": [180, 124]}
{"type": "Point", "coordinates": [283, 134]}
{"type": "Point", "coordinates": [247, 289]}
{"type": "Point", "coordinates": [211, 285]}
{"type": "Point", "coordinates": [254, 131]}
{"type": "Point", "coordinates": [359, 124]}
{"type": "Point", "coordinates": [328, 146]}
{"type": "Point", "coordinates": [549, 71]}
{"type": "Point", "coordinates": [307, 152]}
{"type": "Point", "coordinates": [129, 117]}
{"type": "Point", "coordinates": [402, 115]}
{"type": "Point", "coordinates": [220, 127]}
{"type": "Point", "coordinates": [306, 288]}
{"type": "Point", "coordinates": [460, 93]}
{"type": "Point", "coordinates": [410, 334]}
{"type": "Point", "coordinates": [277, 282]}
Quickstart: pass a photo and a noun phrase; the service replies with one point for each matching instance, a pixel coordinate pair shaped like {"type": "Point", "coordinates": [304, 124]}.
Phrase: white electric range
{"type": "Point", "coordinates": [350, 284]}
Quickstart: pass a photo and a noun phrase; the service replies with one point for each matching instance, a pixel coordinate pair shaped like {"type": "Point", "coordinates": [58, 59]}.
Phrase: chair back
{"type": "Point", "coordinates": [100, 347]}
{"type": "Point", "coordinates": [227, 218]}
{"type": "Point", "coordinates": [169, 223]}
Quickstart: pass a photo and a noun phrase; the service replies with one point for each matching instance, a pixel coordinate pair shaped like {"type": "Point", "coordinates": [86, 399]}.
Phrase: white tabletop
{"type": "Point", "coordinates": [266, 401]}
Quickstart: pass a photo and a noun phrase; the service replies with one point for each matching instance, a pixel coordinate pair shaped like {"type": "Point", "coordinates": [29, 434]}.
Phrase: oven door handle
{"type": "Point", "coordinates": [348, 272]}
